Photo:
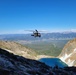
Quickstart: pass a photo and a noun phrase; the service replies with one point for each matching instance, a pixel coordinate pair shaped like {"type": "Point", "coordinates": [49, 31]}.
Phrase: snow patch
{"type": "Point", "coordinates": [75, 50]}
{"type": "Point", "coordinates": [70, 62]}
{"type": "Point", "coordinates": [63, 58]}
{"type": "Point", "coordinates": [66, 56]}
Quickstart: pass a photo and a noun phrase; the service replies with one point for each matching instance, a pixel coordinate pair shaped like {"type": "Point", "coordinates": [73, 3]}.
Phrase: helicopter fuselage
{"type": "Point", "coordinates": [36, 35]}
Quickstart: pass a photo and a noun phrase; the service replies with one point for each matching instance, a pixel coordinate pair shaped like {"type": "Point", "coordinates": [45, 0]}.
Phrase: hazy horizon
{"type": "Point", "coordinates": [46, 31]}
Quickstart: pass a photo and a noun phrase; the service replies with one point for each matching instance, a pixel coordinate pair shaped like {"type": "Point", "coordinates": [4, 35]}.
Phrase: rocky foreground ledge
{"type": "Point", "coordinates": [11, 64]}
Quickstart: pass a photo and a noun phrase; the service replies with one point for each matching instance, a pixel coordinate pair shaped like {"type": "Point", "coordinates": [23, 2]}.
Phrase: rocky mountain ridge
{"type": "Point", "coordinates": [11, 64]}
{"type": "Point", "coordinates": [18, 49]}
{"type": "Point", "coordinates": [68, 54]}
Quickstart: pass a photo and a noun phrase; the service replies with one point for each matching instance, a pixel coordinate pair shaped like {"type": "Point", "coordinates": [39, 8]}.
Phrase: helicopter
{"type": "Point", "coordinates": [35, 33]}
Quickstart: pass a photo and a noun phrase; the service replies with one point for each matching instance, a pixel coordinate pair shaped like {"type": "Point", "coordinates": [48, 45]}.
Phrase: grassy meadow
{"type": "Point", "coordinates": [52, 48]}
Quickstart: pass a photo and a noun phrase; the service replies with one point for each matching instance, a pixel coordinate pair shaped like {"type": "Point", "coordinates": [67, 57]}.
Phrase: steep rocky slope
{"type": "Point", "coordinates": [11, 64]}
{"type": "Point", "coordinates": [18, 49]}
{"type": "Point", "coordinates": [68, 53]}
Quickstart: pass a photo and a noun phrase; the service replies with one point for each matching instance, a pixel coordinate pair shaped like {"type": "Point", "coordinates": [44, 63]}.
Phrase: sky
{"type": "Point", "coordinates": [16, 16]}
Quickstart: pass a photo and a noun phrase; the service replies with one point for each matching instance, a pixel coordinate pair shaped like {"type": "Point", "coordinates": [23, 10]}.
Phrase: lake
{"type": "Point", "coordinates": [52, 62]}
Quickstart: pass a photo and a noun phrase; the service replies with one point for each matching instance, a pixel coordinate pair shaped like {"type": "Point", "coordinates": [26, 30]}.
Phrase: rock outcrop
{"type": "Point", "coordinates": [68, 54]}
{"type": "Point", "coordinates": [18, 49]}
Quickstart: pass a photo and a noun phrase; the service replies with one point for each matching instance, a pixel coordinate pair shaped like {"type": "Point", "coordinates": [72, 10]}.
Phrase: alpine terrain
{"type": "Point", "coordinates": [68, 54]}
{"type": "Point", "coordinates": [11, 64]}
{"type": "Point", "coordinates": [18, 49]}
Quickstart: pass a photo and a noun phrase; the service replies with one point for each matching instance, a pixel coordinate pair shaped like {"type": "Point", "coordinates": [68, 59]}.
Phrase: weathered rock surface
{"type": "Point", "coordinates": [11, 64]}
{"type": "Point", "coordinates": [68, 54]}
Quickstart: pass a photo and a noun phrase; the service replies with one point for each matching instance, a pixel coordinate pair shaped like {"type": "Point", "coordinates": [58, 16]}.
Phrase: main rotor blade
{"type": "Point", "coordinates": [29, 30]}
{"type": "Point", "coordinates": [43, 31]}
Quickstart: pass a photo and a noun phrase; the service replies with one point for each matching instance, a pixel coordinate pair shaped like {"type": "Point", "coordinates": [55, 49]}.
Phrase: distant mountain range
{"type": "Point", "coordinates": [44, 36]}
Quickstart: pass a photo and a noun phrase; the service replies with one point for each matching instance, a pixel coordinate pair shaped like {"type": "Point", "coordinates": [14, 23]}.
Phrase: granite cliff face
{"type": "Point", "coordinates": [68, 54]}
